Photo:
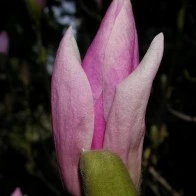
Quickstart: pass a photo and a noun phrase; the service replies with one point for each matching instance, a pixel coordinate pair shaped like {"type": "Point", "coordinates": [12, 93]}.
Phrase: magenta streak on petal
{"type": "Point", "coordinates": [72, 111]}
{"type": "Point", "coordinates": [111, 57]}
{"type": "Point", "coordinates": [97, 142]}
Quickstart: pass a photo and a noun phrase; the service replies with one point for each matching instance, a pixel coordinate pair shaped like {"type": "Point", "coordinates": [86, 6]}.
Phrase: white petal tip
{"type": "Point", "coordinates": [157, 46]}
{"type": "Point", "coordinates": [158, 40]}
{"type": "Point", "coordinates": [69, 29]}
{"type": "Point", "coordinates": [160, 36]}
{"type": "Point", "coordinates": [151, 61]}
{"type": "Point", "coordinates": [68, 32]}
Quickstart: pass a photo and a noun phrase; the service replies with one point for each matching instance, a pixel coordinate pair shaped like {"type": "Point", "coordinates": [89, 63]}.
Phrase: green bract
{"type": "Point", "coordinates": [104, 174]}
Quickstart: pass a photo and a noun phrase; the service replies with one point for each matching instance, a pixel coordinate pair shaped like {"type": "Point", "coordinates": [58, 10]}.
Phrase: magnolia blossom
{"type": "Point", "coordinates": [17, 192]}
{"type": "Point", "coordinates": [4, 43]}
{"type": "Point", "coordinates": [100, 103]}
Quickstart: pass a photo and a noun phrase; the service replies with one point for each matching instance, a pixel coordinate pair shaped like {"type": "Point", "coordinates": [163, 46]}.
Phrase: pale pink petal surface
{"type": "Point", "coordinates": [112, 56]}
{"type": "Point", "coordinates": [126, 123]}
{"type": "Point", "coordinates": [17, 192]}
{"type": "Point", "coordinates": [72, 111]}
{"type": "Point", "coordinates": [4, 42]}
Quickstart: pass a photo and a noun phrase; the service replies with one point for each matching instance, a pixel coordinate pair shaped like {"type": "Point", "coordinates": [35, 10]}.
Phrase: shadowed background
{"type": "Point", "coordinates": [33, 29]}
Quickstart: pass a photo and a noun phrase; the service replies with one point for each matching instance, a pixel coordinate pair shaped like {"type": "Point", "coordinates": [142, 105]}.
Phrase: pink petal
{"type": "Point", "coordinates": [111, 57]}
{"type": "Point", "coordinates": [72, 111]}
{"type": "Point", "coordinates": [17, 192]}
{"type": "Point", "coordinates": [4, 42]}
{"type": "Point", "coordinates": [126, 123]}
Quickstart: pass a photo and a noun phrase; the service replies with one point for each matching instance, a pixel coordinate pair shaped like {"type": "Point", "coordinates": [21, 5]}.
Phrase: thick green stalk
{"type": "Point", "coordinates": [104, 174]}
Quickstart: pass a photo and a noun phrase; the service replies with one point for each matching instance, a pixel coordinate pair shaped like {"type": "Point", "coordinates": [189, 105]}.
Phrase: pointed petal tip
{"type": "Point", "coordinates": [68, 33]}
{"type": "Point", "coordinates": [158, 40]}
{"type": "Point", "coordinates": [68, 43]}
{"type": "Point", "coordinates": [69, 30]}
{"type": "Point", "coordinates": [157, 43]}
{"type": "Point", "coordinates": [154, 53]}
{"type": "Point", "coordinates": [160, 36]}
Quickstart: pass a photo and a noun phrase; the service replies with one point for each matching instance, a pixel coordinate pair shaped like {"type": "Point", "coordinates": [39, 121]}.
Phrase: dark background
{"type": "Point", "coordinates": [27, 157]}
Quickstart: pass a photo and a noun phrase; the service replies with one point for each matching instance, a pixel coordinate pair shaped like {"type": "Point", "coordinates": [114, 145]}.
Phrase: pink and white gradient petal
{"type": "Point", "coordinates": [112, 56]}
{"type": "Point", "coordinates": [126, 123]}
{"type": "Point", "coordinates": [72, 111]}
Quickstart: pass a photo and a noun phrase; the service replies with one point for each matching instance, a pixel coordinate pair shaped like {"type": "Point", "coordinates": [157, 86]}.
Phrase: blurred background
{"type": "Point", "coordinates": [30, 31]}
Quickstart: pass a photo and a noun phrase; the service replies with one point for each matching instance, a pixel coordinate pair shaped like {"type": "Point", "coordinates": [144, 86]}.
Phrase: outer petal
{"type": "Point", "coordinates": [72, 111]}
{"type": "Point", "coordinates": [4, 42]}
{"type": "Point", "coordinates": [126, 124]}
{"type": "Point", "coordinates": [17, 192]}
{"type": "Point", "coordinates": [110, 58]}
